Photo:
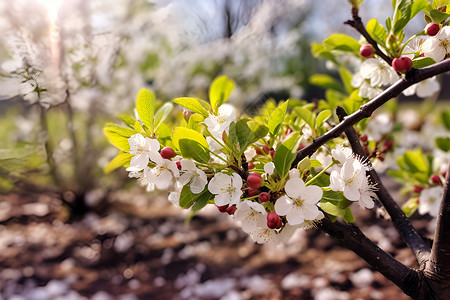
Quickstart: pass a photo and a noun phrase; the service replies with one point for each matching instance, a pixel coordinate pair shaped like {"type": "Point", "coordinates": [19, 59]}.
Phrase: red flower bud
{"type": "Point", "coordinates": [264, 197]}
{"type": "Point", "coordinates": [432, 29]}
{"type": "Point", "coordinates": [167, 153]}
{"type": "Point", "coordinates": [272, 153]}
{"type": "Point", "coordinates": [366, 51]}
{"type": "Point", "coordinates": [273, 220]}
{"type": "Point", "coordinates": [402, 64]}
{"type": "Point", "coordinates": [417, 189]}
{"type": "Point", "coordinates": [251, 166]}
{"type": "Point", "coordinates": [178, 164]}
{"type": "Point", "coordinates": [264, 148]}
{"type": "Point", "coordinates": [364, 138]}
{"type": "Point", "coordinates": [231, 209]}
{"type": "Point", "coordinates": [252, 192]}
{"type": "Point", "coordinates": [435, 179]}
{"type": "Point", "coordinates": [222, 208]}
{"type": "Point", "coordinates": [254, 180]}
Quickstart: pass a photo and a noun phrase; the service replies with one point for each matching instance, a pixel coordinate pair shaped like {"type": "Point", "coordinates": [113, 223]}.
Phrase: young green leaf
{"type": "Point", "coordinates": [306, 115]}
{"type": "Point", "coordinates": [326, 82]}
{"type": "Point", "coordinates": [446, 119]}
{"type": "Point", "coordinates": [202, 199]}
{"type": "Point", "coordinates": [402, 15]}
{"type": "Point", "coordinates": [120, 160]}
{"type": "Point", "coordinates": [162, 113]}
{"type": "Point", "coordinates": [191, 144]}
{"type": "Point", "coordinates": [219, 91]}
{"type": "Point", "coordinates": [322, 117]}
{"type": "Point", "coordinates": [443, 143]}
{"type": "Point", "coordinates": [194, 104]}
{"type": "Point", "coordinates": [339, 41]}
{"type": "Point", "coordinates": [277, 117]}
{"type": "Point", "coordinates": [187, 198]}
{"type": "Point", "coordinates": [145, 107]}
{"type": "Point", "coordinates": [422, 62]}
{"type": "Point", "coordinates": [285, 154]}
{"type": "Point", "coordinates": [118, 136]}
{"type": "Point", "coordinates": [377, 31]}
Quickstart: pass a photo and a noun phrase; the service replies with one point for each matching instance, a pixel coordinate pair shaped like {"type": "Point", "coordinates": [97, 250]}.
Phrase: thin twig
{"type": "Point", "coordinates": [359, 26]}
{"type": "Point", "coordinates": [366, 110]}
{"type": "Point", "coordinates": [399, 219]}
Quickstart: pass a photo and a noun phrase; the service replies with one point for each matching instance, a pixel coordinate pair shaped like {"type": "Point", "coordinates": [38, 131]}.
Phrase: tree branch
{"type": "Point", "coordinates": [352, 238]}
{"type": "Point", "coordinates": [359, 26]}
{"type": "Point", "coordinates": [365, 111]}
{"type": "Point", "coordinates": [399, 219]}
{"type": "Point", "coordinates": [439, 263]}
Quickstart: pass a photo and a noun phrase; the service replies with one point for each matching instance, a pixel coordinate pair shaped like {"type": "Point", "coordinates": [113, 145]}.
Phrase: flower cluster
{"type": "Point", "coordinates": [242, 166]}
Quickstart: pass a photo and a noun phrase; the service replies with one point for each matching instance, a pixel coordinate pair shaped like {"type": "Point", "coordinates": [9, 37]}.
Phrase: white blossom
{"type": "Point", "coordinates": [220, 123]}
{"type": "Point", "coordinates": [247, 213]}
{"type": "Point", "coordinates": [269, 168]}
{"type": "Point", "coordinates": [227, 188]}
{"type": "Point", "coordinates": [143, 149]}
{"type": "Point", "coordinates": [174, 197]}
{"type": "Point", "coordinates": [342, 154]}
{"type": "Point", "coordinates": [143, 177]}
{"type": "Point", "coordinates": [348, 180]}
{"type": "Point", "coordinates": [163, 173]}
{"type": "Point", "coordinates": [430, 200]}
{"type": "Point", "coordinates": [299, 203]}
{"type": "Point", "coordinates": [423, 89]}
{"type": "Point", "coordinates": [365, 89]}
{"type": "Point", "coordinates": [378, 126]}
{"type": "Point", "coordinates": [378, 71]}
{"type": "Point", "coordinates": [438, 46]}
{"type": "Point", "coordinates": [414, 47]}
{"type": "Point", "coordinates": [193, 175]}
{"type": "Point", "coordinates": [264, 235]}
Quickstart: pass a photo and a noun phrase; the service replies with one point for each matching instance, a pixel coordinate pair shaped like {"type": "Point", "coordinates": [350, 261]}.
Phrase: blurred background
{"type": "Point", "coordinates": [69, 231]}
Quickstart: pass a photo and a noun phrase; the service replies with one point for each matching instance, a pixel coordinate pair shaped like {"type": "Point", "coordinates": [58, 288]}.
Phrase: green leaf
{"type": "Point", "coordinates": [219, 91]}
{"type": "Point", "coordinates": [202, 199]}
{"type": "Point", "coordinates": [118, 136]}
{"type": "Point", "coordinates": [240, 133]}
{"type": "Point", "coordinates": [187, 198]}
{"type": "Point", "coordinates": [443, 143]}
{"type": "Point", "coordinates": [326, 82]}
{"type": "Point", "coordinates": [377, 31]}
{"type": "Point", "coordinates": [348, 217]}
{"type": "Point", "coordinates": [120, 160]}
{"type": "Point", "coordinates": [410, 206]}
{"type": "Point", "coordinates": [417, 161]}
{"type": "Point", "coordinates": [346, 77]}
{"type": "Point", "coordinates": [446, 119]}
{"type": "Point", "coordinates": [438, 16]}
{"type": "Point", "coordinates": [306, 115]}
{"type": "Point", "coordinates": [339, 41]}
{"type": "Point", "coordinates": [277, 117]}
{"type": "Point", "coordinates": [422, 62]}
{"type": "Point", "coordinates": [315, 163]}
{"type": "Point", "coordinates": [162, 113]}
{"type": "Point", "coordinates": [322, 117]}
{"type": "Point", "coordinates": [129, 121]}
{"type": "Point", "coordinates": [259, 130]}
{"type": "Point", "coordinates": [145, 107]}
{"type": "Point", "coordinates": [191, 144]}
{"type": "Point", "coordinates": [285, 154]}
{"type": "Point", "coordinates": [194, 104]}
{"type": "Point", "coordinates": [138, 127]}
{"type": "Point", "coordinates": [419, 5]}
{"type": "Point", "coordinates": [402, 15]}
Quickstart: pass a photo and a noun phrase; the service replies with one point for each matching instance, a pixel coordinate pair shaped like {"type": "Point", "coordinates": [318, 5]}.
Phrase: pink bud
{"type": "Point", "coordinates": [264, 197]}
{"type": "Point", "coordinates": [435, 179]}
{"type": "Point", "coordinates": [231, 209]}
{"type": "Point", "coordinates": [366, 51]}
{"type": "Point", "coordinates": [178, 164]}
{"type": "Point", "coordinates": [364, 138]}
{"type": "Point", "coordinates": [264, 148]}
{"type": "Point", "coordinates": [254, 180]}
{"type": "Point", "coordinates": [402, 64]}
{"type": "Point", "coordinates": [252, 192]}
{"type": "Point", "coordinates": [222, 208]}
{"type": "Point", "coordinates": [251, 166]}
{"type": "Point", "coordinates": [432, 29]}
{"type": "Point", "coordinates": [273, 220]}
{"type": "Point", "coordinates": [167, 153]}
{"type": "Point", "coordinates": [417, 189]}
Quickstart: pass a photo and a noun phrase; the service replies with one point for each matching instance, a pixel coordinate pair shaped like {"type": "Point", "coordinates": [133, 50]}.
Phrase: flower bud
{"type": "Point", "coordinates": [364, 138]}
{"type": "Point", "coordinates": [251, 166]}
{"type": "Point", "coordinates": [417, 189]}
{"type": "Point", "coordinates": [402, 64]}
{"type": "Point", "coordinates": [432, 29]}
{"type": "Point", "coordinates": [252, 192]}
{"type": "Point", "coordinates": [186, 114]}
{"type": "Point", "coordinates": [231, 209]}
{"type": "Point", "coordinates": [222, 208]}
{"type": "Point", "coordinates": [273, 220]}
{"type": "Point", "coordinates": [435, 179]}
{"type": "Point", "coordinates": [264, 197]}
{"type": "Point", "coordinates": [264, 148]}
{"type": "Point", "coordinates": [272, 153]}
{"type": "Point", "coordinates": [254, 180]}
{"type": "Point", "coordinates": [366, 51]}
{"type": "Point", "coordinates": [167, 153]}
{"type": "Point", "coordinates": [178, 163]}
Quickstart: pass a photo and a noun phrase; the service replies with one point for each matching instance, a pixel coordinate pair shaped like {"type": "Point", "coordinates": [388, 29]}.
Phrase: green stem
{"type": "Point", "coordinates": [250, 198]}
{"type": "Point", "coordinates": [218, 156]}
{"type": "Point", "coordinates": [320, 173]}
